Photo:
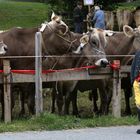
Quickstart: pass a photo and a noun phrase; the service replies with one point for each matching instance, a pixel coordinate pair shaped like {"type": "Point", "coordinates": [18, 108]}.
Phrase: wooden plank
{"type": "Point", "coordinates": [38, 74]}
{"type": "Point", "coordinates": [116, 99]}
{"type": "Point", "coordinates": [125, 68]}
{"type": "Point", "coordinates": [7, 91]}
{"type": "Point", "coordinates": [62, 76]}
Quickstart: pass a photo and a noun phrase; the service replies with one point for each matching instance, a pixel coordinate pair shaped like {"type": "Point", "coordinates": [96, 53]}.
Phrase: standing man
{"type": "Point", "coordinates": [78, 18]}
{"type": "Point", "coordinates": [99, 18]}
{"type": "Point", "coordinates": [135, 81]}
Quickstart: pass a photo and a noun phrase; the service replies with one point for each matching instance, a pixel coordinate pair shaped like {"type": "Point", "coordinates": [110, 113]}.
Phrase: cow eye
{"type": "Point", "coordinates": [94, 42]}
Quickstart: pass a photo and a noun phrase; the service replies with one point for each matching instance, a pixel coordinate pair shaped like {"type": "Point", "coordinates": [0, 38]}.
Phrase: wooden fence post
{"type": "Point", "coordinates": [38, 74]}
{"type": "Point", "coordinates": [116, 99]}
{"type": "Point", "coordinates": [7, 91]}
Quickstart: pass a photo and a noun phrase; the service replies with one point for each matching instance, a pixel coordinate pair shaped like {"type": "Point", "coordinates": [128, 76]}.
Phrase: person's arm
{"type": "Point", "coordinates": [94, 18]}
{"type": "Point", "coordinates": [132, 71]}
{"type": "Point", "coordinates": [76, 13]}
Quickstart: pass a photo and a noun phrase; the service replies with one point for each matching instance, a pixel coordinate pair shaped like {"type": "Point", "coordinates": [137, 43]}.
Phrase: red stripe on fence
{"type": "Point", "coordinates": [113, 66]}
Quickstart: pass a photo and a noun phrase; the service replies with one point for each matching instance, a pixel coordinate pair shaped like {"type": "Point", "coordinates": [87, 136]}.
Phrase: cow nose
{"type": "Point", "coordinates": [104, 63]}
{"type": "Point", "coordinates": [5, 48]}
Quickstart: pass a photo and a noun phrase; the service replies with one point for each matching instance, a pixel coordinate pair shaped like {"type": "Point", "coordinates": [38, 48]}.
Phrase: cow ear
{"type": "Point", "coordinates": [128, 31]}
{"type": "Point", "coordinates": [139, 28]}
{"type": "Point", "coordinates": [62, 29]}
{"type": "Point", "coordinates": [85, 39]}
{"type": "Point", "coordinates": [90, 29]}
{"type": "Point", "coordinates": [56, 18]}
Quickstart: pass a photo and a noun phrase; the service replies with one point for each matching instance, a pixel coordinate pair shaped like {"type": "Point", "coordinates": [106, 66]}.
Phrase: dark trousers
{"type": "Point", "coordinates": [78, 28]}
{"type": "Point", "coordinates": [139, 114]}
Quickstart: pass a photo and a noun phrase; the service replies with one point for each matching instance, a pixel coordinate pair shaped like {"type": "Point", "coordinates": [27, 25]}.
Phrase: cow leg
{"type": "Point", "coordinates": [104, 101]}
{"type": "Point", "coordinates": [127, 101]}
{"type": "Point", "coordinates": [59, 103]}
{"type": "Point", "coordinates": [74, 104]}
{"type": "Point", "coordinates": [70, 95]}
{"type": "Point", "coordinates": [2, 104]}
{"type": "Point", "coordinates": [31, 99]}
{"type": "Point", "coordinates": [95, 99]}
{"type": "Point", "coordinates": [109, 96]}
{"type": "Point", "coordinates": [22, 102]}
{"type": "Point", "coordinates": [53, 96]}
{"type": "Point", "coordinates": [67, 103]}
{"type": "Point", "coordinates": [12, 101]}
{"type": "Point", "coordinates": [31, 103]}
{"type": "Point", "coordinates": [126, 86]}
{"type": "Point", "coordinates": [59, 97]}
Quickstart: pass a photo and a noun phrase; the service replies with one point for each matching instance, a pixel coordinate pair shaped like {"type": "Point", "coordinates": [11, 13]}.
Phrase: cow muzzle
{"type": "Point", "coordinates": [102, 62]}
{"type": "Point", "coordinates": [3, 49]}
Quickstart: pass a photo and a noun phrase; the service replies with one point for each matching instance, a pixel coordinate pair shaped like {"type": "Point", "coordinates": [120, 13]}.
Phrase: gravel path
{"type": "Point", "coordinates": [100, 133]}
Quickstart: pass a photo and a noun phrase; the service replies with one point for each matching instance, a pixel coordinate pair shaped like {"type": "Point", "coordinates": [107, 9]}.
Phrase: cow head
{"type": "Point", "coordinates": [3, 48]}
{"type": "Point", "coordinates": [92, 45]}
{"type": "Point", "coordinates": [56, 23]}
{"type": "Point", "coordinates": [134, 34]}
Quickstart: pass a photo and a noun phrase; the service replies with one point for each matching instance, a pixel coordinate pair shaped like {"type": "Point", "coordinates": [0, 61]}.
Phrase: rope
{"type": "Point", "coordinates": [56, 56]}
{"type": "Point", "coordinates": [113, 66]}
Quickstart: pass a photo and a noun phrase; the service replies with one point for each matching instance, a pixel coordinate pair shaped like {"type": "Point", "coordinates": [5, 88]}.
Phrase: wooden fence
{"type": "Point", "coordinates": [66, 75]}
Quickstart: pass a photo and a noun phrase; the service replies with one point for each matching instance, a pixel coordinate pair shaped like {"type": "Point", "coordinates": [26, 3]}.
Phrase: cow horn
{"type": "Point", "coordinates": [56, 18]}
{"type": "Point", "coordinates": [108, 32]}
{"type": "Point", "coordinates": [90, 29]}
{"type": "Point", "coordinates": [128, 31]}
{"type": "Point", "coordinates": [67, 28]}
{"type": "Point", "coordinates": [78, 51]}
{"type": "Point", "coordinates": [83, 41]}
{"type": "Point", "coordinates": [53, 15]}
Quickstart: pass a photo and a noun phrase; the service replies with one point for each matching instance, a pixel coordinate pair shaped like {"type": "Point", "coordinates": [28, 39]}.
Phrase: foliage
{"type": "Point", "coordinates": [129, 6]}
{"type": "Point", "coordinates": [23, 14]}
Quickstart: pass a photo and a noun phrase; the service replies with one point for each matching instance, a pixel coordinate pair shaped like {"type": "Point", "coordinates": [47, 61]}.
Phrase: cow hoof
{"type": "Point", "coordinates": [138, 131]}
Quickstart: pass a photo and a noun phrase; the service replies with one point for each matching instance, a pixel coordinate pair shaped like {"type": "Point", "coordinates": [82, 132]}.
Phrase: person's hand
{"type": "Point", "coordinates": [138, 106]}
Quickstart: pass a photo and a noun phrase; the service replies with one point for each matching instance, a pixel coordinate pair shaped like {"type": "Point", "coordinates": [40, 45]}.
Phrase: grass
{"type": "Point", "coordinates": [129, 6]}
{"type": "Point", "coordinates": [54, 122]}
{"type": "Point", "coordinates": [48, 121]}
{"type": "Point", "coordinates": [22, 14]}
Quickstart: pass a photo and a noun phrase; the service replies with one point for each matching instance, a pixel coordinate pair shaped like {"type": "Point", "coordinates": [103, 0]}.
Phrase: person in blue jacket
{"type": "Point", "coordinates": [99, 18]}
{"type": "Point", "coordinates": [135, 81]}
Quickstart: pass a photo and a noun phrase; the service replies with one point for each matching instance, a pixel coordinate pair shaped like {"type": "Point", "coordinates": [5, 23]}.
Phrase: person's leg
{"type": "Point", "coordinates": [136, 87]}
{"type": "Point", "coordinates": [78, 28]}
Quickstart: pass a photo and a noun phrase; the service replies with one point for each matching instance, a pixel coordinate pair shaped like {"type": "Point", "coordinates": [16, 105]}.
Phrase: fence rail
{"type": "Point", "coordinates": [63, 75]}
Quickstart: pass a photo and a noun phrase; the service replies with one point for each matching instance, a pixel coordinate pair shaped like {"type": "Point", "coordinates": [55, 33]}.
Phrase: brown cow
{"type": "Point", "coordinates": [57, 40]}
{"type": "Point", "coordinates": [128, 44]}
{"type": "Point", "coordinates": [21, 42]}
{"type": "Point", "coordinates": [96, 41]}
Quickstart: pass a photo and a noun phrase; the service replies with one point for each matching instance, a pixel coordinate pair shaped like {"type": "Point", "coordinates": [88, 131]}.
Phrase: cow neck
{"type": "Point", "coordinates": [43, 45]}
{"type": "Point", "coordinates": [71, 43]}
{"type": "Point", "coordinates": [59, 35]}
